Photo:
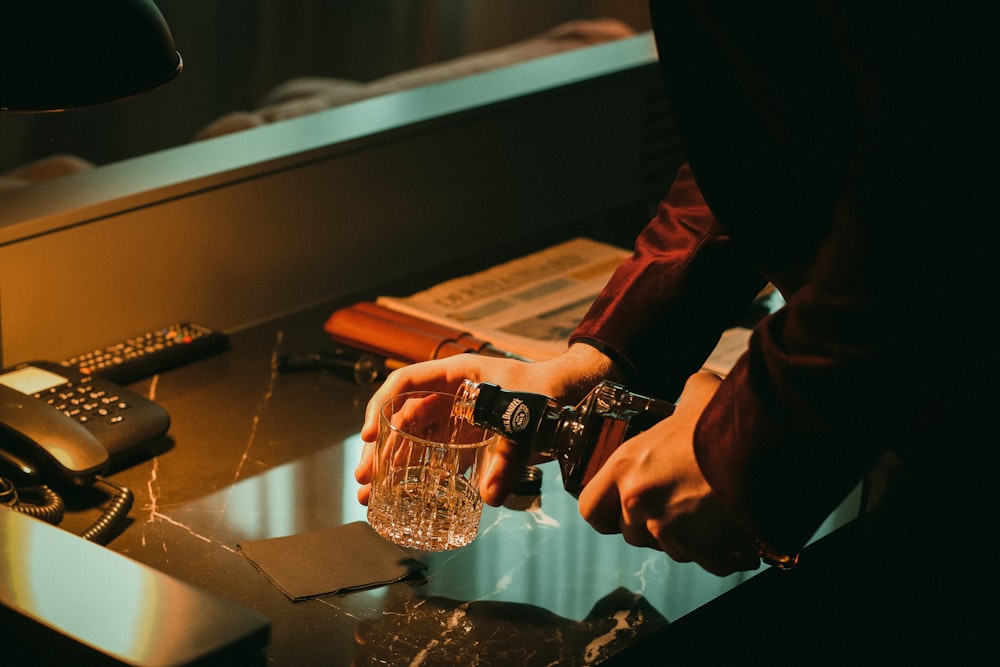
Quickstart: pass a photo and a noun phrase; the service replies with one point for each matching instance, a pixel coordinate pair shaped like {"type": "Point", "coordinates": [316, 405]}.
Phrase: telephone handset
{"type": "Point", "coordinates": [60, 427]}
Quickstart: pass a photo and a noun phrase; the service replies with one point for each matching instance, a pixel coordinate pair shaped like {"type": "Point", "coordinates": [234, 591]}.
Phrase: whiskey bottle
{"type": "Point", "coordinates": [580, 438]}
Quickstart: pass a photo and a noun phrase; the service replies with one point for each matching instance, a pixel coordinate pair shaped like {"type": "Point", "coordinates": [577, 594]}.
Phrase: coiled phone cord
{"type": "Point", "coordinates": [117, 510]}
{"type": "Point", "coordinates": [51, 508]}
{"type": "Point", "coordinates": [44, 504]}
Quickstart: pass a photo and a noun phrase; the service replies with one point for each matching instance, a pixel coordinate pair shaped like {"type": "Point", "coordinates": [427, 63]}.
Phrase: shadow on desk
{"type": "Point", "coordinates": [38, 647]}
{"type": "Point", "coordinates": [442, 631]}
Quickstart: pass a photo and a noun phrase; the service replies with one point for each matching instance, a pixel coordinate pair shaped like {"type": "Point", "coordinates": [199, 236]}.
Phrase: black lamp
{"type": "Point", "coordinates": [59, 54]}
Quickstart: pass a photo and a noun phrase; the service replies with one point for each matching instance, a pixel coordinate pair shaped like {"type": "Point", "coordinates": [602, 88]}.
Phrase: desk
{"type": "Point", "coordinates": [254, 454]}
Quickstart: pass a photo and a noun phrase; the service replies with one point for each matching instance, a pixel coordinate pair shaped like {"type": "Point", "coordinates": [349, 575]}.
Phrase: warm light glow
{"type": "Point", "coordinates": [98, 597]}
{"type": "Point", "coordinates": [75, 596]}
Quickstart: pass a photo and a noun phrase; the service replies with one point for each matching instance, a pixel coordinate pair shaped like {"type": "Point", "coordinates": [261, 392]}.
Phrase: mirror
{"type": "Point", "coordinates": [238, 52]}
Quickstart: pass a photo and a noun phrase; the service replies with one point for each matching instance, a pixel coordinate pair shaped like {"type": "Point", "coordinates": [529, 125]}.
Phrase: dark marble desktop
{"type": "Point", "coordinates": [253, 453]}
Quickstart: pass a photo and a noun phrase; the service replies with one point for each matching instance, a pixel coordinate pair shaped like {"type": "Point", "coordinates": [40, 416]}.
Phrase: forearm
{"type": "Point", "coordinates": [664, 308]}
{"type": "Point", "coordinates": [575, 372]}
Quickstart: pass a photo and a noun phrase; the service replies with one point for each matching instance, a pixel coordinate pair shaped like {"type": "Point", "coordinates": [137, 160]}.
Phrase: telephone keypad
{"type": "Point", "coordinates": [85, 403]}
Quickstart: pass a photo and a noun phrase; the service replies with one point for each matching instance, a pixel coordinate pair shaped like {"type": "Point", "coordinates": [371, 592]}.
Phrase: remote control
{"type": "Point", "coordinates": [150, 353]}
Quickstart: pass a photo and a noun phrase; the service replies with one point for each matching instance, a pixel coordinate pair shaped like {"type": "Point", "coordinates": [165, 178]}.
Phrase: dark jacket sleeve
{"type": "Point", "coordinates": [861, 182]}
{"type": "Point", "coordinates": [853, 157]}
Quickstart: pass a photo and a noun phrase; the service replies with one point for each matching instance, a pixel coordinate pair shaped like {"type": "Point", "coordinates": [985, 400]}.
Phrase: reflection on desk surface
{"type": "Point", "coordinates": [257, 455]}
{"type": "Point", "coordinates": [540, 579]}
{"type": "Point", "coordinates": [519, 556]}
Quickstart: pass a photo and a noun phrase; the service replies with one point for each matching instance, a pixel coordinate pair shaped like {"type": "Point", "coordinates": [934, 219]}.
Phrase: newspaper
{"type": "Point", "coordinates": [531, 305]}
{"type": "Point", "coordinates": [528, 306]}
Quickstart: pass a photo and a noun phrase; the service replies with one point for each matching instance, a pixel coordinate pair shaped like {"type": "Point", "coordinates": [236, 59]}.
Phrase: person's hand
{"type": "Point", "coordinates": [567, 377]}
{"type": "Point", "coordinates": [652, 491]}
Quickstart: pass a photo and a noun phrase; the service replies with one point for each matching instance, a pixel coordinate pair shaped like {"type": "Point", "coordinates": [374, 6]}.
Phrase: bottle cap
{"type": "Point", "coordinates": [529, 483]}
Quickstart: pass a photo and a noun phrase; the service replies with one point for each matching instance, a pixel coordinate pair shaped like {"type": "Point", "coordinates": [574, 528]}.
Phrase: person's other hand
{"type": "Point", "coordinates": [652, 491]}
{"type": "Point", "coordinates": [567, 377]}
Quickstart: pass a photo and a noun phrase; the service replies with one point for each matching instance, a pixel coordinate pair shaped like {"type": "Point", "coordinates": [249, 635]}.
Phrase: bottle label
{"type": "Point", "coordinates": [516, 417]}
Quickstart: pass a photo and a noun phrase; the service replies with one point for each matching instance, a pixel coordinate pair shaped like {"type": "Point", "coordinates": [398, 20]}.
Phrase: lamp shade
{"type": "Point", "coordinates": [59, 54]}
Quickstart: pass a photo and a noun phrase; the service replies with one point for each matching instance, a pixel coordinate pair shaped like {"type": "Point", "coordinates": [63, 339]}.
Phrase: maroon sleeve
{"type": "Point", "coordinates": [664, 308]}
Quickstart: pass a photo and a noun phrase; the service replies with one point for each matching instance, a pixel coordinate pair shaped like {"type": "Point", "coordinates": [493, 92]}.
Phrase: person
{"type": "Point", "coordinates": [842, 152]}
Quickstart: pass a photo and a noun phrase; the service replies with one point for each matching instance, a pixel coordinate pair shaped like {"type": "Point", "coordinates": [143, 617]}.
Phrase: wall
{"type": "Point", "coordinates": [235, 51]}
{"type": "Point", "coordinates": [245, 227]}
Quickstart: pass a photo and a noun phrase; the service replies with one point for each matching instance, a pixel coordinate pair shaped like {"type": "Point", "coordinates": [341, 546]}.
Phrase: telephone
{"type": "Point", "coordinates": [60, 427]}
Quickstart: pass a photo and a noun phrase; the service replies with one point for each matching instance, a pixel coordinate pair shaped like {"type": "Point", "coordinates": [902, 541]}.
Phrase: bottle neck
{"type": "Point", "coordinates": [465, 401]}
{"type": "Point", "coordinates": [518, 416]}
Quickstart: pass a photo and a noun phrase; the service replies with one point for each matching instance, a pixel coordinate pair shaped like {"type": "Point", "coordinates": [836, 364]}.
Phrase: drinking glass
{"type": "Point", "coordinates": [427, 466]}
